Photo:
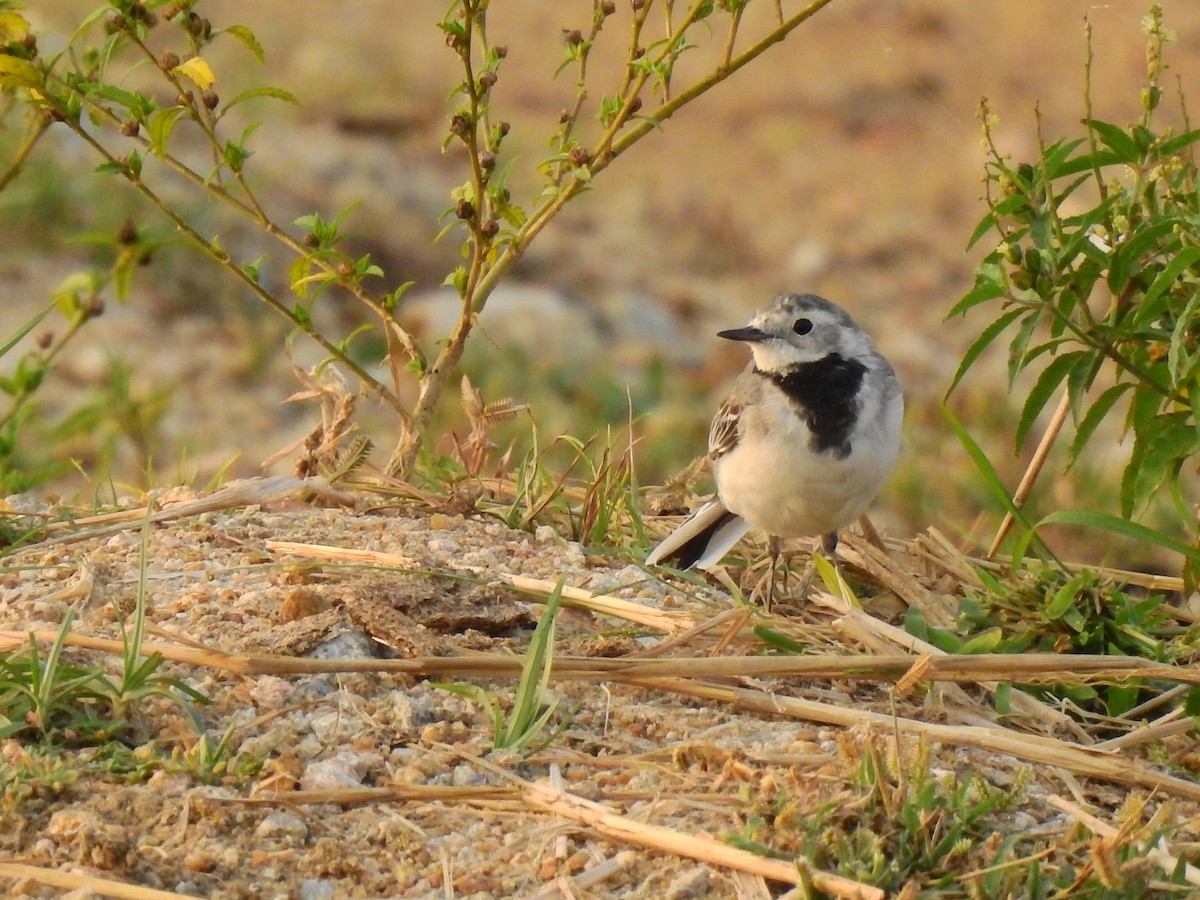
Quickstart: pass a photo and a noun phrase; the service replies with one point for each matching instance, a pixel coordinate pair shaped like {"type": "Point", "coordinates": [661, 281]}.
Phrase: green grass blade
{"type": "Point", "coordinates": [1123, 527]}
{"type": "Point", "coordinates": [27, 327]}
{"type": "Point", "coordinates": [535, 673]}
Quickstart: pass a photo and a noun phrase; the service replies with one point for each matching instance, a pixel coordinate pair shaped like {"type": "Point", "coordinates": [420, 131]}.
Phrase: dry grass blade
{"type": "Point", "coordinates": [1159, 854]}
{"type": "Point", "coordinates": [342, 554]}
{"type": "Point", "coordinates": [91, 885]}
{"type": "Point", "coordinates": [245, 492]}
{"type": "Point", "coordinates": [398, 793]}
{"type": "Point", "coordinates": [578, 598]}
{"type": "Point", "coordinates": [538, 588]}
{"type": "Point", "coordinates": [1032, 748]}
{"type": "Point", "coordinates": [1033, 668]}
{"type": "Point", "coordinates": [877, 635]}
{"type": "Point", "coordinates": [702, 847]}
{"type": "Point", "coordinates": [566, 887]}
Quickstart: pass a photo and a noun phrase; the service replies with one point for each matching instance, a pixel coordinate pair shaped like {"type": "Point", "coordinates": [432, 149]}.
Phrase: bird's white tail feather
{"type": "Point", "coordinates": [711, 523]}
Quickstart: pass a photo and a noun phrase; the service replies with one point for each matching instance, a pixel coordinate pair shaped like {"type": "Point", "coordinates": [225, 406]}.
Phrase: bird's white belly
{"type": "Point", "coordinates": [777, 484]}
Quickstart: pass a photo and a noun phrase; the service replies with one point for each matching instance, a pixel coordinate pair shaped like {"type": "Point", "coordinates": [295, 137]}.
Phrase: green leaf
{"type": "Point", "coordinates": [981, 343]}
{"type": "Point", "coordinates": [1127, 256]}
{"type": "Point", "coordinates": [160, 126]}
{"type": "Point", "coordinates": [1173, 145]}
{"type": "Point", "coordinates": [1181, 363]}
{"type": "Point", "coordinates": [246, 36]}
{"type": "Point", "coordinates": [1019, 346]}
{"type": "Point", "coordinates": [17, 73]}
{"type": "Point", "coordinates": [1056, 154]}
{"type": "Point", "coordinates": [1045, 386]}
{"type": "Point", "coordinates": [989, 284]}
{"type": "Point", "coordinates": [986, 224]}
{"type": "Point", "coordinates": [1063, 600]}
{"type": "Point", "coordinates": [1115, 139]}
{"type": "Point", "coordinates": [1094, 416]}
{"type": "Point", "coordinates": [535, 675]}
{"type": "Point", "coordinates": [1150, 308]}
{"type": "Point", "coordinates": [273, 92]}
{"type": "Point", "coordinates": [991, 479]}
{"type": "Point", "coordinates": [984, 642]}
{"type": "Point", "coordinates": [29, 325]}
{"type": "Point", "coordinates": [1089, 161]}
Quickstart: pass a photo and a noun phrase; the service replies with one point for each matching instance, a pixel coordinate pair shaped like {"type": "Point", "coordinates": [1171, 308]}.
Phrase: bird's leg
{"type": "Point", "coordinates": [774, 549]}
{"type": "Point", "coordinates": [829, 543]}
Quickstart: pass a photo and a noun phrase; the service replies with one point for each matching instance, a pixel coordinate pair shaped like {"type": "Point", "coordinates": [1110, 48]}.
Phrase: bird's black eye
{"type": "Point", "coordinates": [802, 326]}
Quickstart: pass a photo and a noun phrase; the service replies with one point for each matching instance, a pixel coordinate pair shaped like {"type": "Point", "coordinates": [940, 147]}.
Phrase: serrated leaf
{"type": "Point", "coordinates": [1056, 154]}
{"type": "Point", "coordinates": [1150, 308]}
{"type": "Point", "coordinates": [160, 126]}
{"type": "Point", "coordinates": [197, 71]}
{"type": "Point", "coordinates": [1157, 450]}
{"type": "Point", "coordinates": [1079, 381]}
{"type": "Point", "coordinates": [17, 73]}
{"type": "Point", "coordinates": [273, 92]}
{"type": "Point", "coordinates": [981, 343]}
{"type": "Point", "coordinates": [1095, 161]}
{"type": "Point", "coordinates": [989, 284]}
{"type": "Point", "coordinates": [1045, 386]}
{"type": "Point", "coordinates": [246, 36]}
{"type": "Point", "coordinates": [1174, 144]}
{"type": "Point", "coordinates": [1019, 345]}
{"type": "Point", "coordinates": [1179, 361]}
{"type": "Point", "coordinates": [1127, 256]}
{"type": "Point", "coordinates": [1115, 139]}
{"type": "Point", "coordinates": [986, 224]}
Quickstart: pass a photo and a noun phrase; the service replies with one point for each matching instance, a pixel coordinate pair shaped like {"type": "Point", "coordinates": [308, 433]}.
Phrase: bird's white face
{"type": "Point", "coordinates": [793, 330]}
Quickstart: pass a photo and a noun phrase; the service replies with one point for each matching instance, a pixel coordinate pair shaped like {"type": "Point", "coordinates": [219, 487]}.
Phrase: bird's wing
{"type": "Point", "coordinates": [723, 432]}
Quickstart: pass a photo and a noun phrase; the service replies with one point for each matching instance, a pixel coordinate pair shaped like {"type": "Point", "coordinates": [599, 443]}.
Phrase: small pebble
{"type": "Point", "coordinates": [282, 824]}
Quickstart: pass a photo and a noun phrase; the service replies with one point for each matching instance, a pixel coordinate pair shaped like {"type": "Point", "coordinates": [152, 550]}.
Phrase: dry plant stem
{"type": "Point", "coordinates": [87, 884]}
{"type": "Point", "coordinates": [482, 282]}
{"type": "Point", "coordinates": [1033, 470]}
{"type": "Point", "coordinates": [222, 259]}
{"type": "Point", "coordinates": [701, 847]}
{"type": "Point", "coordinates": [652, 675]}
{"type": "Point", "coordinates": [1039, 668]}
{"type": "Point", "coordinates": [1031, 748]}
{"type": "Point", "coordinates": [253, 210]}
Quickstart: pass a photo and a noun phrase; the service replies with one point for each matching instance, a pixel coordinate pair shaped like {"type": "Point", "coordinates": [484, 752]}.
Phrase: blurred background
{"type": "Point", "coordinates": [846, 162]}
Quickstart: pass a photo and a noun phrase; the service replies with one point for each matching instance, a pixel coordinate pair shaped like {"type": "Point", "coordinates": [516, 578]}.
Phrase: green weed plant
{"type": "Point", "coordinates": [1095, 281]}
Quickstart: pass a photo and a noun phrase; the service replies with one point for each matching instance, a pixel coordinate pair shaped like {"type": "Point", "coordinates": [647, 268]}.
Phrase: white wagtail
{"type": "Point", "coordinates": [806, 439]}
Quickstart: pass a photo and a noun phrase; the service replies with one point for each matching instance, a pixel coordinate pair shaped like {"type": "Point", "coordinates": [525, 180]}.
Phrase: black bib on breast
{"type": "Point", "coordinates": [825, 395]}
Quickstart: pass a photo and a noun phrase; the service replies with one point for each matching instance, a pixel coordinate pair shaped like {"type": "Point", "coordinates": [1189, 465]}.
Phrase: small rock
{"type": "Point", "coordinates": [693, 883]}
{"type": "Point", "coordinates": [348, 645]}
{"type": "Point", "coordinates": [270, 692]}
{"type": "Point", "coordinates": [316, 889]}
{"type": "Point", "coordinates": [345, 770]}
{"type": "Point", "coordinates": [282, 824]}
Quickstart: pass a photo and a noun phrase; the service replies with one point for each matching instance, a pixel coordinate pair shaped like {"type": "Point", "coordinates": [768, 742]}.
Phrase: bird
{"type": "Point", "coordinates": [805, 440]}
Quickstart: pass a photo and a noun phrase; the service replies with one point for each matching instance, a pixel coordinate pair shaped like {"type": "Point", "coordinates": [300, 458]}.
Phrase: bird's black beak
{"type": "Point", "coordinates": [749, 333]}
